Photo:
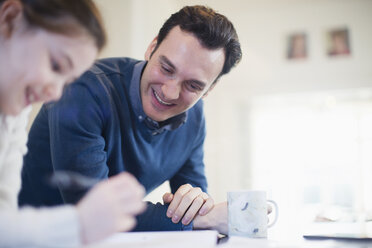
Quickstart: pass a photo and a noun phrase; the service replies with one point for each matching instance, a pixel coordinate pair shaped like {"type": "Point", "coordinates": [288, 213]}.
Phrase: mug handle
{"type": "Point", "coordinates": [276, 213]}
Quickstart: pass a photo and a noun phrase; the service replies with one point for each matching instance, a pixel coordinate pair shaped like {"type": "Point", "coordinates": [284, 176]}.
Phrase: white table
{"type": "Point", "coordinates": [208, 239]}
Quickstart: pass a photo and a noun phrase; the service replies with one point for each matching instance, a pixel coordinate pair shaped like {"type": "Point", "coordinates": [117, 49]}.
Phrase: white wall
{"type": "Point", "coordinates": [262, 26]}
{"type": "Point", "coordinates": [117, 17]}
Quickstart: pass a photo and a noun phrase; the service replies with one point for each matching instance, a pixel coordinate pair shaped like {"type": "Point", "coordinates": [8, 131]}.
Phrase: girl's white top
{"type": "Point", "coordinates": [28, 227]}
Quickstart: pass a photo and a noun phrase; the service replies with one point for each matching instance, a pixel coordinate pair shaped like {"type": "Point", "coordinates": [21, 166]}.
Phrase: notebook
{"type": "Point", "coordinates": [179, 239]}
{"type": "Point", "coordinates": [339, 236]}
{"type": "Point", "coordinates": [353, 231]}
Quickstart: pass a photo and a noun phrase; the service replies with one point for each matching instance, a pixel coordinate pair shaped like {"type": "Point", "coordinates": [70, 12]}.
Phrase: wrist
{"type": "Point", "coordinates": [201, 223]}
{"type": "Point", "coordinates": [216, 219]}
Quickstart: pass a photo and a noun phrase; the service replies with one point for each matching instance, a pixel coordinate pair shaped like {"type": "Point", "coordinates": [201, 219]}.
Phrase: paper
{"type": "Point", "coordinates": [240, 242]}
{"type": "Point", "coordinates": [179, 239]}
{"type": "Point", "coordinates": [243, 242]}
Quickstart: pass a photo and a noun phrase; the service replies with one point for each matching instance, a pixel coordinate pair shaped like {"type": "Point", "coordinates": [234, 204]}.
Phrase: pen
{"type": "Point", "coordinates": [69, 180]}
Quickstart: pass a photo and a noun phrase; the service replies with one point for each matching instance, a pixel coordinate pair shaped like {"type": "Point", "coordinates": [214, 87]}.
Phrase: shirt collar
{"type": "Point", "coordinates": [135, 99]}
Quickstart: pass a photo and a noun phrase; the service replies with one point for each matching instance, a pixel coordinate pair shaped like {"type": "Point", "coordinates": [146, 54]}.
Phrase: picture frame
{"type": "Point", "coordinates": [338, 42]}
{"type": "Point", "coordinates": [297, 46]}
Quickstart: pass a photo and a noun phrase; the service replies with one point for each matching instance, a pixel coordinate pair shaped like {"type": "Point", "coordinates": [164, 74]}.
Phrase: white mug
{"type": "Point", "coordinates": [248, 213]}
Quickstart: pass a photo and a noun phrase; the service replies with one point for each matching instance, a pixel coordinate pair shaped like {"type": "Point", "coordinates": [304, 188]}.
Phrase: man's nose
{"type": "Point", "coordinates": [171, 90]}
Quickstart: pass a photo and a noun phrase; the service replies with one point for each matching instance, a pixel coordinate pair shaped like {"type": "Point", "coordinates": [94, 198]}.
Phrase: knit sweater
{"type": "Point", "coordinates": [99, 129]}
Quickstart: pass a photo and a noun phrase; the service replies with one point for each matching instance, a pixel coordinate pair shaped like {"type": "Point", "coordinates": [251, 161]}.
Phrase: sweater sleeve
{"type": "Point", "coordinates": [155, 219]}
{"type": "Point", "coordinates": [46, 227]}
{"type": "Point", "coordinates": [12, 149]}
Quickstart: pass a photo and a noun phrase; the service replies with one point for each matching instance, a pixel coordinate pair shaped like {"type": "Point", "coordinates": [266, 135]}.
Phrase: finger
{"type": "Point", "coordinates": [127, 181]}
{"type": "Point", "coordinates": [183, 190]}
{"type": "Point", "coordinates": [126, 223]}
{"type": "Point", "coordinates": [128, 196]}
{"type": "Point", "coordinates": [207, 206]}
{"type": "Point", "coordinates": [185, 203]}
{"type": "Point", "coordinates": [132, 208]}
{"type": "Point", "coordinates": [129, 206]}
{"type": "Point", "coordinates": [125, 185]}
{"type": "Point", "coordinates": [167, 198]}
{"type": "Point", "coordinates": [141, 208]}
{"type": "Point", "coordinates": [205, 196]}
{"type": "Point", "coordinates": [131, 202]}
{"type": "Point", "coordinates": [193, 210]}
{"type": "Point", "coordinates": [123, 178]}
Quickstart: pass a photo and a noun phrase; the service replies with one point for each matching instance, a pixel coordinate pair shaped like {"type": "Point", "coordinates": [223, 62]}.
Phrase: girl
{"type": "Point", "coordinates": [45, 44]}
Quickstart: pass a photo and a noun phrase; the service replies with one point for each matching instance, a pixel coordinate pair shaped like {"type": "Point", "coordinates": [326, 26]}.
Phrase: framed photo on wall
{"type": "Point", "coordinates": [338, 42]}
{"type": "Point", "coordinates": [297, 46]}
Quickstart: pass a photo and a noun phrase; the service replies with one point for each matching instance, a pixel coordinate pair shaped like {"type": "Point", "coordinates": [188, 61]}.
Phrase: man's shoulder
{"type": "Point", "coordinates": [198, 108]}
{"type": "Point", "coordinates": [100, 74]}
{"type": "Point", "coordinates": [195, 114]}
{"type": "Point", "coordinates": [120, 65]}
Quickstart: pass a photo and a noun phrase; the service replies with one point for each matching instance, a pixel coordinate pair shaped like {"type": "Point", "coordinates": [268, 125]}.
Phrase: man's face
{"type": "Point", "coordinates": [178, 74]}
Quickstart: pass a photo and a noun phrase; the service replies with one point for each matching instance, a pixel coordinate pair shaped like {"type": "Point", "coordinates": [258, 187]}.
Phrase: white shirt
{"type": "Point", "coordinates": [28, 227]}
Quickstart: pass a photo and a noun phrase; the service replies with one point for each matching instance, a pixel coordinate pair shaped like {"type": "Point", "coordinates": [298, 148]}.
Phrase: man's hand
{"type": "Point", "coordinates": [187, 203]}
{"type": "Point", "coordinates": [216, 219]}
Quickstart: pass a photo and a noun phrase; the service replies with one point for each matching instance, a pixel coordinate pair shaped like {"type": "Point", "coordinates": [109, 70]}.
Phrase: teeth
{"type": "Point", "coordinates": [161, 101]}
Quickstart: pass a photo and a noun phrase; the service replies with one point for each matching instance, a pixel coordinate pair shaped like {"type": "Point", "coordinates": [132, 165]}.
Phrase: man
{"type": "Point", "coordinates": [144, 117]}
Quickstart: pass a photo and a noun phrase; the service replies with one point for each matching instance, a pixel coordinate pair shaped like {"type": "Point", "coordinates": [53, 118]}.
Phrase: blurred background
{"type": "Point", "coordinates": [295, 117]}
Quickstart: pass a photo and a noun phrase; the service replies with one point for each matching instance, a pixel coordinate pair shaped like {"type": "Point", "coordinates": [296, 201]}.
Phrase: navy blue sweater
{"type": "Point", "coordinates": [99, 129]}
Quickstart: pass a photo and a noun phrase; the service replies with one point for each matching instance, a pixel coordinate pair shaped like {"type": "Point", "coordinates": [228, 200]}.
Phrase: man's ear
{"type": "Point", "coordinates": [10, 14]}
{"type": "Point", "coordinates": [151, 48]}
{"type": "Point", "coordinates": [210, 89]}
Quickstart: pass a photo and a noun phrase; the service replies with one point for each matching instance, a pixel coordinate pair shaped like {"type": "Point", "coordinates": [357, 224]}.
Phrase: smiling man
{"type": "Point", "coordinates": [144, 117]}
{"type": "Point", "coordinates": [175, 78]}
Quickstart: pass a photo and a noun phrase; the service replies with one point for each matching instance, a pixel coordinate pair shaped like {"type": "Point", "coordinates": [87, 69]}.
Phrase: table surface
{"type": "Point", "coordinates": [238, 242]}
{"type": "Point", "coordinates": [208, 239]}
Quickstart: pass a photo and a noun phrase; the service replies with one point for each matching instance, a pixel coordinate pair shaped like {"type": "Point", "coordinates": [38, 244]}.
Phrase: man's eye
{"type": "Point", "coordinates": [166, 70]}
{"type": "Point", "coordinates": [54, 65]}
{"type": "Point", "coordinates": [193, 87]}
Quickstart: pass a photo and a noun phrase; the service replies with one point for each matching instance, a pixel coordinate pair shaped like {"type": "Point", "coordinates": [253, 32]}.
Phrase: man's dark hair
{"type": "Point", "coordinates": [212, 29]}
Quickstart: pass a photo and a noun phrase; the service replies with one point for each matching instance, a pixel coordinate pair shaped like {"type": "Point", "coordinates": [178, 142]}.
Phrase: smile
{"type": "Point", "coordinates": [30, 97]}
{"type": "Point", "coordinates": [160, 100]}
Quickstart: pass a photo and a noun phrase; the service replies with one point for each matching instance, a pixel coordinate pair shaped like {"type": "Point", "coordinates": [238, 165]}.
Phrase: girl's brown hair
{"type": "Point", "coordinates": [65, 17]}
